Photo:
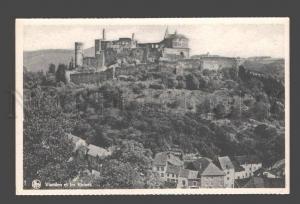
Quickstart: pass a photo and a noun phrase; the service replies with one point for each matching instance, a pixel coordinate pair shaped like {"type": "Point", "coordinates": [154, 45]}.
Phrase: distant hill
{"type": "Point", "coordinates": [270, 66]}
{"type": "Point", "coordinates": [40, 59]}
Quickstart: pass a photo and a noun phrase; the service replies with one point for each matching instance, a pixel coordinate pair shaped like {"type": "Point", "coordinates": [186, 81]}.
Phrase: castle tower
{"type": "Point", "coordinates": [78, 54]}
{"type": "Point", "coordinates": [166, 33]}
{"type": "Point", "coordinates": [103, 35]}
{"type": "Point", "coordinates": [132, 37]}
{"type": "Point", "coordinates": [97, 46]}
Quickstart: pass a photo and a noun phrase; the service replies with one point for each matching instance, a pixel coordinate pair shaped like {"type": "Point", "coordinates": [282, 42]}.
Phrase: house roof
{"type": "Point", "coordinates": [189, 174]}
{"type": "Point", "coordinates": [247, 159]}
{"type": "Point", "coordinates": [205, 167]}
{"type": "Point", "coordinates": [237, 167]}
{"type": "Point", "coordinates": [74, 138]}
{"type": "Point", "coordinates": [260, 182]}
{"type": "Point", "coordinates": [97, 151]}
{"type": "Point", "coordinates": [225, 162]}
{"type": "Point", "coordinates": [162, 158]}
{"type": "Point", "coordinates": [173, 169]}
{"type": "Point", "coordinates": [212, 170]}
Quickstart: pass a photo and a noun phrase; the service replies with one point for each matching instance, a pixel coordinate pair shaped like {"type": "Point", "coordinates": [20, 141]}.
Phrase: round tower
{"type": "Point", "coordinates": [78, 54]}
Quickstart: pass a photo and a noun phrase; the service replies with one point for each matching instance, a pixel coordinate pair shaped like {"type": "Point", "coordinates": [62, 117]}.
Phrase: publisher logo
{"type": "Point", "coordinates": [36, 184]}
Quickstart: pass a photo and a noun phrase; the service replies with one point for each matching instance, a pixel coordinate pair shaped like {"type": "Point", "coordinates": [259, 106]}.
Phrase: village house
{"type": "Point", "coordinates": [228, 168]}
{"type": "Point", "coordinates": [172, 173]}
{"type": "Point", "coordinates": [210, 175]}
{"type": "Point", "coordinates": [76, 141]}
{"type": "Point", "coordinates": [245, 166]}
{"type": "Point", "coordinates": [166, 165]}
{"type": "Point", "coordinates": [95, 154]}
{"type": "Point", "coordinates": [188, 179]}
{"type": "Point", "coordinates": [80, 146]}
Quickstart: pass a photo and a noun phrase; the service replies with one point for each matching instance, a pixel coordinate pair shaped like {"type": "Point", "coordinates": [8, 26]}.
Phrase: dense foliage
{"type": "Point", "coordinates": [237, 113]}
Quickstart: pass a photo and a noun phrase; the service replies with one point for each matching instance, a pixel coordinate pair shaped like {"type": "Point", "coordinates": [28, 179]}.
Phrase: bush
{"type": "Point", "coordinates": [138, 88]}
{"type": "Point", "coordinates": [171, 82]}
{"type": "Point", "coordinates": [156, 86]}
{"type": "Point", "coordinates": [192, 83]}
{"type": "Point", "coordinates": [174, 104]}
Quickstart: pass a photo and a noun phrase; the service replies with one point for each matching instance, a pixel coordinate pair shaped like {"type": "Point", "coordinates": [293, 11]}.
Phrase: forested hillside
{"type": "Point", "coordinates": [213, 113]}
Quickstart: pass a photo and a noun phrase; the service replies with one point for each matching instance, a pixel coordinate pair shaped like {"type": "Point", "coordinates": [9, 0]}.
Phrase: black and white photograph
{"type": "Point", "coordinates": [152, 106]}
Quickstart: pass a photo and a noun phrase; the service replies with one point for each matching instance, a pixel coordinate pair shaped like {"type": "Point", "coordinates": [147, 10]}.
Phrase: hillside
{"type": "Point", "coordinates": [272, 66]}
{"type": "Point", "coordinates": [40, 59]}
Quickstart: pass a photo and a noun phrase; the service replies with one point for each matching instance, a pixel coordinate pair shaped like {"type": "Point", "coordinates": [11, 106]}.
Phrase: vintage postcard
{"type": "Point", "coordinates": [152, 106]}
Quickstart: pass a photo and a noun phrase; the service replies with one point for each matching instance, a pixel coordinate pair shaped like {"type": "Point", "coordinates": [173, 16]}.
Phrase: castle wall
{"type": "Point", "coordinates": [131, 55]}
{"type": "Point", "coordinates": [178, 66]}
{"type": "Point", "coordinates": [215, 63]}
{"type": "Point", "coordinates": [89, 62]}
{"type": "Point", "coordinates": [90, 77]}
{"type": "Point", "coordinates": [175, 53]}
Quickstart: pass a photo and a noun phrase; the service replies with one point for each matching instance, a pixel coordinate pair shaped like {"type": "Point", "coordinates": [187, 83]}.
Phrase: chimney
{"type": "Point", "coordinates": [103, 34]}
{"type": "Point", "coordinates": [132, 37]}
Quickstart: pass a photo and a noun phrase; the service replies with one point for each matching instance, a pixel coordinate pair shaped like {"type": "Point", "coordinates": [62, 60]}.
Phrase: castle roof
{"type": "Point", "coordinates": [175, 35]}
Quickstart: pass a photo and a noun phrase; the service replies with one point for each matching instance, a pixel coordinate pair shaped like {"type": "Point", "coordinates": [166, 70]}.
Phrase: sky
{"type": "Point", "coordinates": [243, 40]}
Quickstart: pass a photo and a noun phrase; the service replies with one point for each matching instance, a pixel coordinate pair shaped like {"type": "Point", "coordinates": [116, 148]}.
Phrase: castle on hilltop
{"type": "Point", "coordinates": [171, 47]}
{"type": "Point", "coordinates": [113, 57]}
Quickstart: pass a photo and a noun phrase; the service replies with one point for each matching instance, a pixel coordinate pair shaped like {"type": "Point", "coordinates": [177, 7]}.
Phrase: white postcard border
{"type": "Point", "coordinates": [20, 23]}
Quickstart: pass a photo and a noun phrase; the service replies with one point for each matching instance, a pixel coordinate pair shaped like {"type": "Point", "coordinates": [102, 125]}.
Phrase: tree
{"type": "Point", "coordinates": [192, 83]}
{"type": "Point", "coordinates": [118, 174]}
{"type": "Point", "coordinates": [33, 79]}
{"type": "Point", "coordinates": [171, 82]}
{"type": "Point", "coordinates": [61, 73]}
{"type": "Point", "coordinates": [135, 154]}
{"type": "Point", "coordinates": [220, 110]}
{"type": "Point", "coordinates": [242, 73]}
{"type": "Point", "coordinates": [46, 147]}
{"type": "Point", "coordinates": [260, 110]}
{"type": "Point", "coordinates": [51, 69]}
{"type": "Point", "coordinates": [204, 107]}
